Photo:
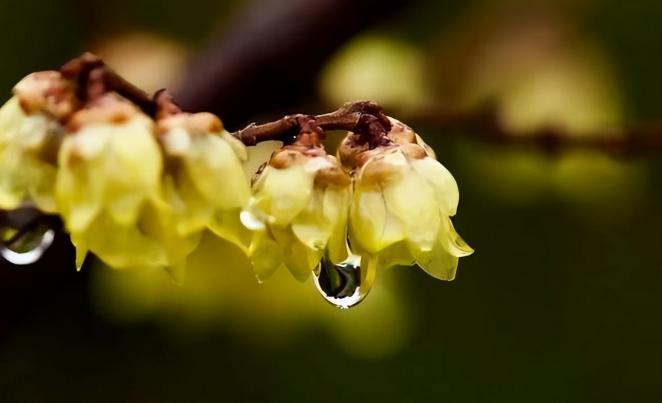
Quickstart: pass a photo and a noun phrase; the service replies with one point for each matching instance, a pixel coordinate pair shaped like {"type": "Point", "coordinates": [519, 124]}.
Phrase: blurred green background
{"type": "Point", "coordinates": [560, 302]}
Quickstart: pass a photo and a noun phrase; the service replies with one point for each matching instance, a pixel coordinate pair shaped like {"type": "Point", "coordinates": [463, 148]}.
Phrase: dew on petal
{"type": "Point", "coordinates": [251, 221]}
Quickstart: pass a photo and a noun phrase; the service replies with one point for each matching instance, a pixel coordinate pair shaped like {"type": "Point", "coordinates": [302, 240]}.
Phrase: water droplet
{"type": "Point", "coordinates": [345, 284]}
{"type": "Point", "coordinates": [250, 221]}
{"type": "Point", "coordinates": [24, 247]}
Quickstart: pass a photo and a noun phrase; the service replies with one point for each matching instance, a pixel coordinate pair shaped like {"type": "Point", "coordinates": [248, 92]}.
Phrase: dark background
{"type": "Point", "coordinates": [560, 303]}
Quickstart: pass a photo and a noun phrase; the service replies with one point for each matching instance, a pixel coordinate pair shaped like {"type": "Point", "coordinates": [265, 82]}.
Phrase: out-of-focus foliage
{"type": "Point", "coordinates": [150, 61]}
{"type": "Point", "coordinates": [365, 69]}
{"type": "Point", "coordinates": [277, 311]}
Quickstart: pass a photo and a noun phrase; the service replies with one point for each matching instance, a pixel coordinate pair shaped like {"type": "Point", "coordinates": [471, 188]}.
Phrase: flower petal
{"type": "Point", "coordinates": [396, 255]}
{"type": "Point", "coordinates": [438, 263]}
{"type": "Point", "coordinates": [336, 210]}
{"type": "Point", "coordinates": [192, 211]}
{"type": "Point", "coordinates": [265, 255]}
{"type": "Point", "coordinates": [227, 225]}
{"type": "Point", "coordinates": [283, 193]}
{"type": "Point", "coordinates": [372, 226]}
{"type": "Point", "coordinates": [238, 147]}
{"type": "Point", "coordinates": [311, 226]}
{"type": "Point", "coordinates": [161, 226]}
{"type": "Point", "coordinates": [299, 259]}
{"type": "Point", "coordinates": [441, 181]}
{"type": "Point", "coordinates": [121, 247]}
{"type": "Point", "coordinates": [414, 202]}
{"type": "Point", "coordinates": [216, 171]}
{"type": "Point", "coordinates": [452, 241]}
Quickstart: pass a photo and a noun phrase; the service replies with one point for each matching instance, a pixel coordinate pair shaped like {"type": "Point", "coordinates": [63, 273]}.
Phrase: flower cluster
{"type": "Point", "coordinates": [402, 204]}
{"type": "Point", "coordinates": [298, 211]}
{"type": "Point", "coordinates": [139, 187]}
{"type": "Point", "coordinates": [133, 190]}
{"type": "Point", "coordinates": [390, 204]}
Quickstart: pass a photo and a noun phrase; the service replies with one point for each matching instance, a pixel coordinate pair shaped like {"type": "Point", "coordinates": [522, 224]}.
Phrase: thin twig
{"type": "Point", "coordinates": [94, 78]}
{"type": "Point", "coordinates": [363, 116]}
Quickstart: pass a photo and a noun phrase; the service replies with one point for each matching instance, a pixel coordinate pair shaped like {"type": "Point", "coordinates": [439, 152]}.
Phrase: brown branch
{"type": "Point", "coordinates": [267, 59]}
{"type": "Point", "coordinates": [363, 117]}
{"type": "Point", "coordinates": [484, 124]}
{"type": "Point", "coordinates": [94, 78]}
{"type": "Point", "coordinates": [367, 118]}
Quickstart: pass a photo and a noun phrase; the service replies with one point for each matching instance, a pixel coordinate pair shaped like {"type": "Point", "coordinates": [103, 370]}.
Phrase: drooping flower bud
{"type": "Point", "coordinates": [204, 184]}
{"type": "Point", "coordinates": [298, 211]}
{"type": "Point", "coordinates": [30, 134]}
{"type": "Point", "coordinates": [109, 167]}
{"type": "Point", "coordinates": [402, 203]}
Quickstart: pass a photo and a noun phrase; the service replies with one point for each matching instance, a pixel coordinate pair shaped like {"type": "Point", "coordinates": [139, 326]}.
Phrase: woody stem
{"type": "Point", "coordinates": [365, 118]}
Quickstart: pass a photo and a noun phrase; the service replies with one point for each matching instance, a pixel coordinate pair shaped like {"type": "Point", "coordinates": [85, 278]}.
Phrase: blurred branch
{"type": "Point", "coordinates": [268, 59]}
{"type": "Point", "coordinates": [487, 125]}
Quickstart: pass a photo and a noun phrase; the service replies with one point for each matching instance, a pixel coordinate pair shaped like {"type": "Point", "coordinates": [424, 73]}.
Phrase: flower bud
{"type": "Point", "coordinates": [30, 135]}
{"type": "Point", "coordinates": [299, 212]}
{"type": "Point", "coordinates": [109, 167]}
{"type": "Point", "coordinates": [204, 184]}
{"type": "Point", "coordinates": [401, 208]}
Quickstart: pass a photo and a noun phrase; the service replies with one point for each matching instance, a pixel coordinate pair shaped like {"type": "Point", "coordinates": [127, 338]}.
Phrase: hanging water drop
{"type": "Point", "coordinates": [25, 246]}
{"type": "Point", "coordinates": [345, 284]}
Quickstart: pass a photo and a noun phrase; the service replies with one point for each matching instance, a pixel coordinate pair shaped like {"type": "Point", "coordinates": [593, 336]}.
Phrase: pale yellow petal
{"type": "Point", "coordinates": [192, 210]}
{"type": "Point", "coordinates": [105, 166]}
{"type": "Point", "coordinates": [11, 118]}
{"type": "Point", "coordinates": [336, 203]}
{"type": "Point", "coordinates": [25, 144]}
{"type": "Point", "coordinates": [265, 255]}
{"type": "Point", "coordinates": [452, 241]}
{"type": "Point", "coordinates": [238, 147]}
{"type": "Point", "coordinates": [397, 254]}
{"type": "Point", "coordinates": [11, 190]}
{"type": "Point", "coordinates": [133, 169]}
{"type": "Point", "coordinates": [81, 250]}
{"type": "Point", "coordinates": [216, 171]}
{"type": "Point", "coordinates": [414, 202]}
{"type": "Point", "coordinates": [311, 226]}
{"type": "Point", "coordinates": [78, 198]}
{"type": "Point", "coordinates": [284, 193]}
{"type": "Point", "coordinates": [160, 226]}
{"type": "Point", "coordinates": [441, 181]}
{"type": "Point", "coordinates": [428, 150]}
{"type": "Point", "coordinates": [227, 225]}
{"type": "Point", "coordinates": [372, 226]}
{"type": "Point", "coordinates": [299, 259]}
{"type": "Point", "coordinates": [438, 263]}
{"type": "Point", "coordinates": [122, 246]}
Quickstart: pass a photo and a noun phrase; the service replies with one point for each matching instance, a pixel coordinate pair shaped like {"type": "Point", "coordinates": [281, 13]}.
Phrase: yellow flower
{"type": "Point", "coordinates": [30, 134]}
{"type": "Point", "coordinates": [203, 187]}
{"type": "Point", "coordinates": [299, 212]}
{"type": "Point", "coordinates": [401, 208]}
{"type": "Point", "coordinates": [109, 167]}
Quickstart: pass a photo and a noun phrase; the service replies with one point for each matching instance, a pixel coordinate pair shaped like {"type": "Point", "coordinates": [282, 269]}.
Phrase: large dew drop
{"type": "Point", "coordinates": [25, 247]}
{"type": "Point", "coordinates": [345, 284]}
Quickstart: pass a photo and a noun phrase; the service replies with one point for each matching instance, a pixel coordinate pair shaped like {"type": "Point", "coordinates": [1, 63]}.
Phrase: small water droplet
{"type": "Point", "coordinates": [25, 247]}
{"type": "Point", "coordinates": [345, 284]}
{"type": "Point", "coordinates": [251, 221]}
